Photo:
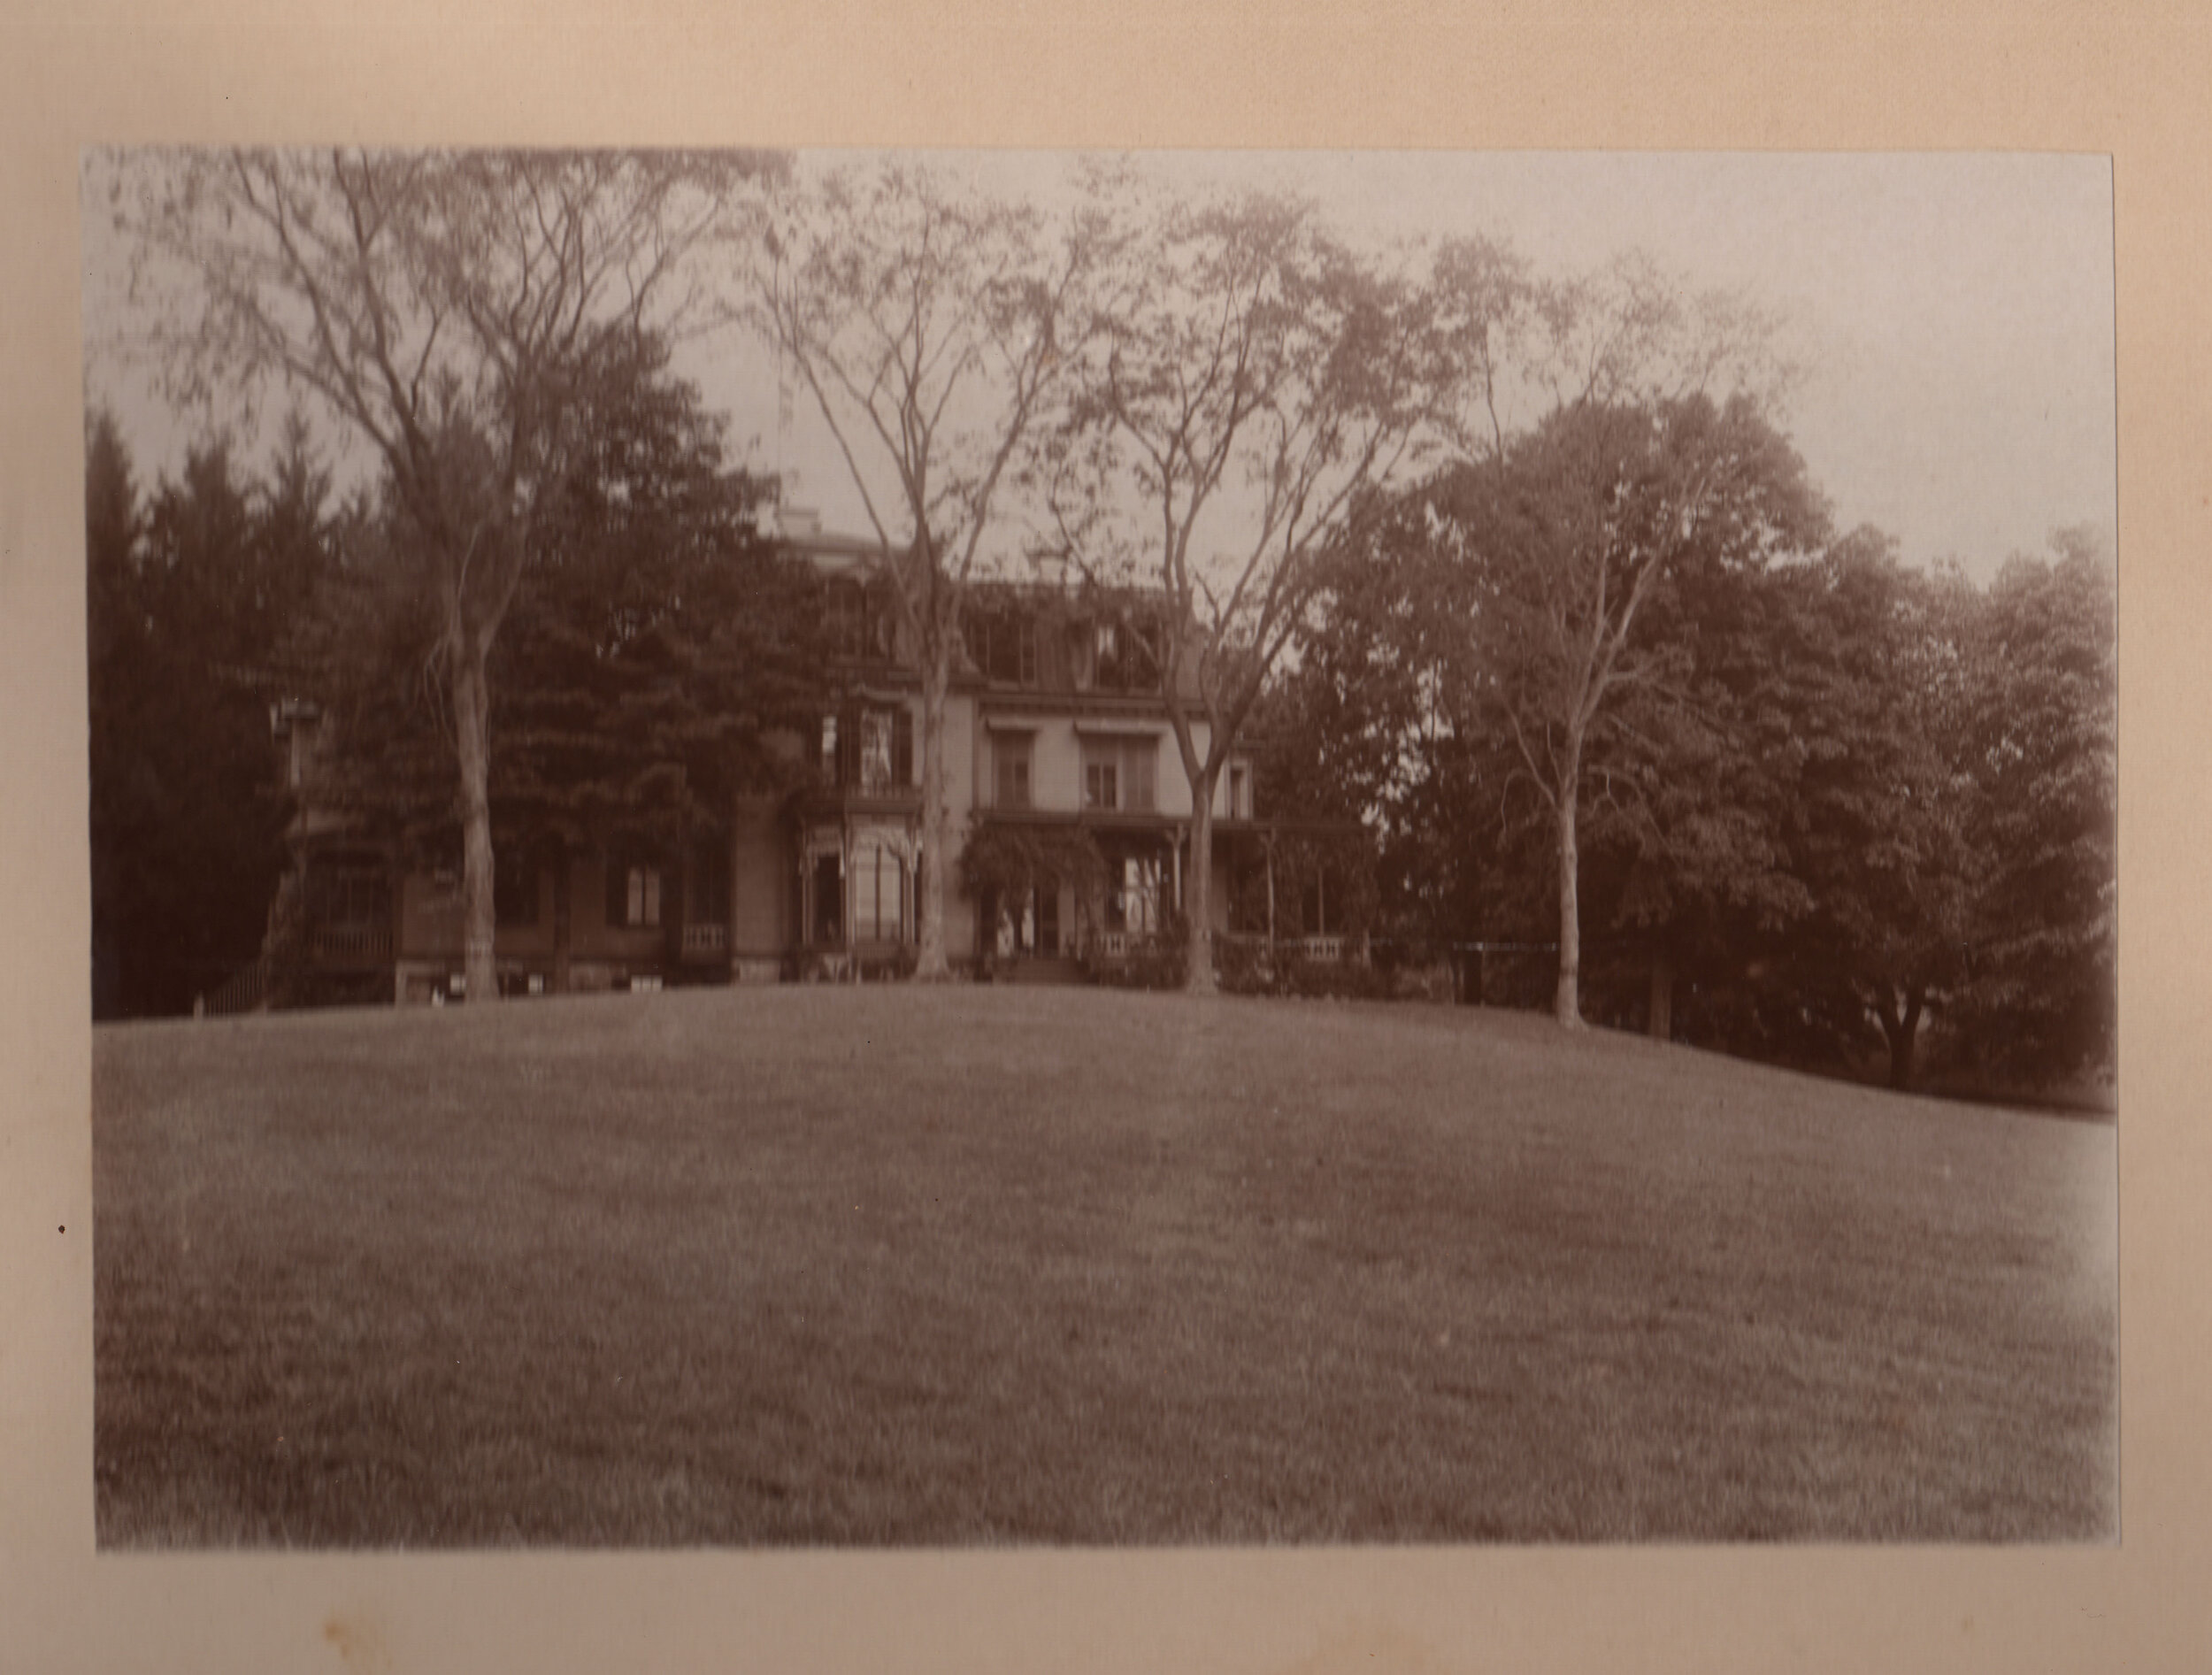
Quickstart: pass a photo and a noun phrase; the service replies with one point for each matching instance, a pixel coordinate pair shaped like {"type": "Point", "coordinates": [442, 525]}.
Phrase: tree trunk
{"type": "Point", "coordinates": [1198, 977]}
{"type": "Point", "coordinates": [1901, 1027]}
{"type": "Point", "coordinates": [1270, 905]}
{"type": "Point", "coordinates": [1567, 1003]}
{"type": "Point", "coordinates": [1662, 1021]}
{"type": "Point", "coordinates": [930, 965]}
{"type": "Point", "coordinates": [472, 727]}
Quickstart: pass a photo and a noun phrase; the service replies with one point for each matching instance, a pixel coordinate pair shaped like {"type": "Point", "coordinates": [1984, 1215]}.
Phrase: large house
{"type": "Point", "coordinates": [1057, 750]}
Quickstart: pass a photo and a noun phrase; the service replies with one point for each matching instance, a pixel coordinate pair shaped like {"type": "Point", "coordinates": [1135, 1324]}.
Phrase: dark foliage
{"type": "Point", "coordinates": [187, 600]}
{"type": "Point", "coordinates": [1011, 860]}
{"type": "Point", "coordinates": [658, 646]}
{"type": "Point", "coordinates": [1841, 801]}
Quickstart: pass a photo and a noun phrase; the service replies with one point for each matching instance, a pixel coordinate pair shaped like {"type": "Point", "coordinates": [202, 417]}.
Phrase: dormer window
{"type": "Point", "coordinates": [1002, 644]}
{"type": "Point", "coordinates": [1127, 656]}
{"type": "Point", "coordinates": [861, 622]}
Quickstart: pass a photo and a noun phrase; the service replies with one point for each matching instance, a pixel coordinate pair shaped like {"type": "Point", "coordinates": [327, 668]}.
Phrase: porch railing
{"type": "Point", "coordinates": [1322, 950]}
{"type": "Point", "coordinates": [245, 990]}
{"type": "Point", "coordinates": [351, 942]}
{"type": "Point", "coordinates": [706, 939]}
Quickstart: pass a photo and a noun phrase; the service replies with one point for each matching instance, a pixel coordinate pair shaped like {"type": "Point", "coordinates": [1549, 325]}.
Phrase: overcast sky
{"type": "Point", "coordinates": [1954, 313]}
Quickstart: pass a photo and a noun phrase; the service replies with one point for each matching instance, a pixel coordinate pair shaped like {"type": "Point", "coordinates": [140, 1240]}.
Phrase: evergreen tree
{"type": "Point", "coordinates": [186, 613]}
{"type": "Point", "coordinates": [643, 681]}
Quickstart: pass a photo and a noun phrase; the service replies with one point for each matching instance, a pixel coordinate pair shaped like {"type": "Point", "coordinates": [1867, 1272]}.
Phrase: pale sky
{"type": "Point", "coordinates": [1954, 313]}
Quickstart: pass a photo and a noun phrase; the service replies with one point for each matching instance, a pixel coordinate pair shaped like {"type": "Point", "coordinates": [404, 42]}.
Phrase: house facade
{"type": "Point", "coordinates": [1058, 750]}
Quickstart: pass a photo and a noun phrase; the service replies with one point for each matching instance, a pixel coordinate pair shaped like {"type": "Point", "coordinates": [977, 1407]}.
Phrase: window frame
{"type": "Point", "coordinates": [1013, 755]}
{"type": "Point", "coordinates": [636, 894]}
{"type": "Point", "coordinates": [1133, 760]}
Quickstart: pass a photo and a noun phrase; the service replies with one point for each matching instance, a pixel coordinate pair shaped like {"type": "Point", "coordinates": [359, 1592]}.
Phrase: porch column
{"type": "Point", "coordinates": [1268, 849]}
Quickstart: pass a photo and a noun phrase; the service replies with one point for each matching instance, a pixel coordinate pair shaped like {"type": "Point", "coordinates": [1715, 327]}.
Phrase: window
{"type": "Point", "coordinates": [1240, 793]}
{"type": "Point", "coordinates": [1127, 656]}
{"type": "Point", "coordinates": [1132, 900]}
{"type": "Point", "coordinates": [862, 626]}
{"type": "Point", "coordinates": [514, 891]}
{"type": "Point", "coordinates": [879, 893]}
{"type": "Point", "coordinates": [1011, 756]}
{"type": "Point", "coordinates": [875, 751]}
{"type": "Point", "coordinates": [633, 893]}
{"type": "Point", "coordinates": [869, 750]}
{"type": "Point", "coordinates": [1119, 775]}
{"type": "Point", "coordinates": [1028, 921]}
{"type": "Point", "coordinates": [848, 618]}
{"type": "Point", "coordinates": [1003, 645]}
{"type": "Point", "coordinates": [708, 897]}
{"type": "Point", "coordinates": [1320, 913]}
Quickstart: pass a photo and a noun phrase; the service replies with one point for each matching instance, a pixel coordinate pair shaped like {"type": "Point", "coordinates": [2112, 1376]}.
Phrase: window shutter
{"type": "Point", "coordinates": [618, 890]}
{"type": "Point", "coordinates": [902, 746]}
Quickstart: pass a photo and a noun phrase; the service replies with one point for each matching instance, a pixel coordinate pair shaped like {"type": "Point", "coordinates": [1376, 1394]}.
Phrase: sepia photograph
{"type": "Point", "coordinates": [926, 848]}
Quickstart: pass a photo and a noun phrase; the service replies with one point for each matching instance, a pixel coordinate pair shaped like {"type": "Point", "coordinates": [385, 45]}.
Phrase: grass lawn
{"type": "Point", "coordinates": [975, 1264]}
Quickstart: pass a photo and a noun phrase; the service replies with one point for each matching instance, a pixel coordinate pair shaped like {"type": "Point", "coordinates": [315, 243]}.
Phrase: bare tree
{"type": "Point", "coordinates": [447, 308]}
{"type": "Point", "coordinates": [1253, 388]}
{"type": "Point", "coordinates": [931, 324]}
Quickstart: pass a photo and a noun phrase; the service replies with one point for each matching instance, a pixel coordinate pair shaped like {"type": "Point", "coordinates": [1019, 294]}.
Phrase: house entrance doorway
{"type": "Point", "coordinates": [1028, 921]}
{"type": "Point", "coordinates": [828, 929]}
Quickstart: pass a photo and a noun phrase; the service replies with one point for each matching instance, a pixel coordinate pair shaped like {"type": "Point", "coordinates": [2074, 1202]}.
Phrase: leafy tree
{"type": "Point", "coordinates": [445, 307]}
{"type": "Point", "coordinates": [640, 682]}
{"type": "Point", "coordinates": [1253, 389]}
{"type": "Point", "coordinates": [1879, 834]}
{"type": "Point", "coordinates": [1570, 541]}
{"type": "Point", "coordinates": [2040, 710]}
{"type": "Point", "coordinates": [1374, 721]}
{"type": "Point", "coordinates": [933, 327]}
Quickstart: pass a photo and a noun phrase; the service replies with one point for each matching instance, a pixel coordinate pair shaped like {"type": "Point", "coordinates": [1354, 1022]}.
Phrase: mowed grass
{"type": "Point", "coordinates": [784, 1266]}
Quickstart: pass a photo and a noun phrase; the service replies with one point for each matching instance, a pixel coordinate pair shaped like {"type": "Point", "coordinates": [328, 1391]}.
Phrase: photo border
{"type": "Point", "coordinates": [826, 72]}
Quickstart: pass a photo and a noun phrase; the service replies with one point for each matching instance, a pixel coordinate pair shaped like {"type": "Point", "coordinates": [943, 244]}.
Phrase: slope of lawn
{"type": "Point", "coordinates": [1043, 1265]}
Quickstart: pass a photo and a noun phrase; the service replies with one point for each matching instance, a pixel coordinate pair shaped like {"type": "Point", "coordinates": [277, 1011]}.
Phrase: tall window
{"type": "Point", "coordinates": [1119, 775]}
{"type": "Point", "coordinates": [848, 618]}
{"type": "Point", "coordinates": [708, 898]}
{"type": "Point", "coordinates": [1239, 792]}
{"type": "Point", "coordinates": [875, 751]}
{"type": "Point", "coordinates": [514, 891]}
{"type": "Point", "coordinates": [633, 893]}
{"type": "Point", "coordinates": [879, 894]}
{"type": "Point", "coordinates": [1133, 899]}
{"type": "Point", "coordinates": [1011, 754]}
